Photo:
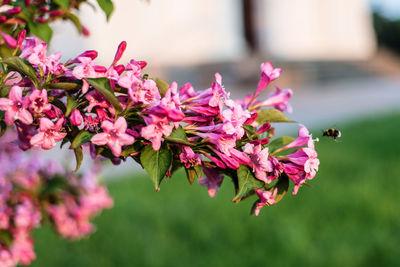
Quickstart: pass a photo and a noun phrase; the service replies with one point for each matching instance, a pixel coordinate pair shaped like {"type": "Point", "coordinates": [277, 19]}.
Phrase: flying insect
{"type": "Point", "coordinates": [332, 133]}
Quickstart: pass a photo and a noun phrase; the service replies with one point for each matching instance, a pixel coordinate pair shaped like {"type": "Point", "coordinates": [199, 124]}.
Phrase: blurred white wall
{"type": "Point", "coordinates": [178, 32]}
{"type": "Point", "coordinates": [316, 29]}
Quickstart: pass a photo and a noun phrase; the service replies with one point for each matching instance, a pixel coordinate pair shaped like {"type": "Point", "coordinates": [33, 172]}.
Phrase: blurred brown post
{"type": "Point", "coordinates": [248, 24]}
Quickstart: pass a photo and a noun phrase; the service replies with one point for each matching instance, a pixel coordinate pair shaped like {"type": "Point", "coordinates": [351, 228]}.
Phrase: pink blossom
{"type": "Point", "coordinates": [9, 40]}
{"type": "Point", "coordinates": [39, 102]}
{"type": "Point", "coordinates": [307, 158]}
{"type": "Point", "coordinates": [233, 120]}
{"type": "Point", "coordinates": [96, 100]}
{"type": "Point", "coordinates": [304, 139]}
{"type": "Point", "coordinates": [85, 69]}
{"type": "Point", "coordinates": [189, 158]}
{"type": "Point", "coordinates": [22, 248]}
{"type": "Point", "coordinates": [268, 74]}
{"type": "Point", "coordinates": [114, 136]}
{"type": "Point", "coordinates": [76, 117]}
{"type": "Point", "coordinates": [278, 100]}
{"type": "Point", "coordinates": [259, 161]}
{"type": "Point", "coordinates": [120, 52]}
{"type": "Point", "coordinates": [155, 130]}
{"type": "Point", "coordinates": [49, 134]}
{"type": "Point", "coordinates": [213, 180]}
{"type": "Point", "coordinates": [15, 107]}
{"type": "Point", "coordinates": [266, 198]}
{"type": "Point", "coordinates": [6, 258]}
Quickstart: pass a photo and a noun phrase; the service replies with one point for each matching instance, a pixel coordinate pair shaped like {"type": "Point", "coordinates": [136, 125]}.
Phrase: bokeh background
{"type": "Point", "coordinates": [340, 57]}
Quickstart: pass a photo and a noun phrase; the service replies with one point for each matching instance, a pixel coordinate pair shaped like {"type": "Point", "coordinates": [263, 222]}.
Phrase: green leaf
{"type": "Point", "coordinates": [283, 186]}
{"type": "Point", "coordinates": [81, 138]}
{"type": "Point", "coordinates": [179, 136]}
{"type": "Point", "coordinates": [21, 66]}
{"type": "Point", "coordinates": [63, 86]}
{"type": "Point", "coordinates": [5, 91]}
{"type": "Point", "coordinates": [6, 238]}
{"type": "Point", "coordinates": [279, 142]}
{"type": "Point", "coordinates": [247, 183]}
{"type": "Point", "coordinates": [271, 115]}
{"type": "Point", "coordinates": [63, 3]}
{"type": "Point", "coordinates": [78, 157]}
{"type": "Point", "coordinates": [102, 85]}
{"type": "Point", "coordinates": [71, 104]}
{"type": "Point", "coordinates": [156, 163]}
{"type": "Point", "coordinates": [41, 30]}
{"type": "Point", "coordinates": [250, 130]}
{"type": "Point", "coordinates": [192, 173]}
{"type": "Point", "coordinates": [56, 102]}
{"type": "Point", "coordinates": [162, 86]}
{"type": "Point", "coordinates": [107, 6]}
{"type": "Point", "coordinates": [3, 128]}
{"type": "Point", "coordinates": [127, 152]}
{"type": "Point", "coordinates": [75, 20]}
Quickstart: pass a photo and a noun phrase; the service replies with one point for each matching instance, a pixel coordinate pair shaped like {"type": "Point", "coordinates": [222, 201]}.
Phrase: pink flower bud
{"type": "Point", "coordinates": [76, 117]}
{"type": "Point", "coordinates": [14, 11]}
{"type": "Point", "coordinates": [56, 13]}
{"type": "Point", "coordinates": [27, 2]}
{"type": "Point", "coordinates": [9, 40]}
{"type": "Point", "coordinates": [3, 19]}
{"type": "Point", "coordinates": [85, 31]}
{"type": "Point", "coordinates": [265, 127]}
{"type": "Point", "coordinates": [41, 20]}
{"type": "Point", "coordinates": [120, 52]}
{"type": "Point", "coordinates": [43, 9]}
{"type": "Point", "coordinates": [119, 69]}
{"type": "Point", "coordinates": [101, 69]}
{"type": "Point", "coordinates": [21, 37]}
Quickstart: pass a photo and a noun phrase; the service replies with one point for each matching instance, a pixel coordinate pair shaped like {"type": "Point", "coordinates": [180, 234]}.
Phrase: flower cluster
{"type": "Point", "coordinates": [33, 191]}
{"type": "Point", "coordinates": [118, 111]}
{"type": "Point", "coordinates": [34, 16]}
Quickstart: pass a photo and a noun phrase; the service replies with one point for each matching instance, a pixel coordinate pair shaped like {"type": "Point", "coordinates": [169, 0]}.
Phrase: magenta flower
{"type": "Point", "coordinates": [266, 198]}
{"type": "Point", "coordinates": [268, 74]}
{"type": "Point", "coordinates": [213, 180]}
{"type": "Point", "coordinates": [15, 107]}
{"type": "Point", "coordinates": [114, 136]}
{"type": "Point", "coordinates": [307, 158]}
{"type": "Point", "coordinates": [76, 117]}
{"type": "Point", "coordinates": [49, 134]}
{"type": "Point", "coordinates": [188, 157]}
{"type": "Point", "coordinates": [259, 162]}
{"type": "Point", "coordinates": [278, 100]}
{"type": "Point", "coordinates": [39, 102]}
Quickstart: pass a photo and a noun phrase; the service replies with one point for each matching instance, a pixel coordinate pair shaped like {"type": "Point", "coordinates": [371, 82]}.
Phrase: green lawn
{"type": "Point", "coordinates": [350, 217]}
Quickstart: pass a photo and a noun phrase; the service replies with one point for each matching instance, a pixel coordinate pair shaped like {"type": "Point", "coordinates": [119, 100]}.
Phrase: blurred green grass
{"type": "Point", "coordinates": [350, 216]}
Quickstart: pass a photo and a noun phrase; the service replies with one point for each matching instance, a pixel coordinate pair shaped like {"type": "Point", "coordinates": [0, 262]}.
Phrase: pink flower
{"type": "Point", "coordinates": [6, 258]}
{"type": "Point", "coordinates": [114, 136]}
{"type": "Point", "coordinates": [96, 100]}
{"type": "Point", "coordinates": [268, 74]}
{"type": "Point", "coordinates": [85, 69]}
{"type": "Point", "coordinates": [189, 158]}
{"type": "Point", "coordinates": [49, 134]}
{"type": "Point", "coordinates": [9, 40]}
{"type": "Point", "coordinates": [266, 198]}
{"type": "Point", "coordinates": [278, 100]}
{"type": "Point", "coordinates": [307, 158]}
{"type": "Point", "coordinates": [304, 139]}
{"type": "Point", "coordinates": [233, 120]}
{"type": "Point", "coordinates": [39, 102]}
{"type": "Point", "coordinates": [76, 117]}
{"type": "Point", "coordinates": [15, 107]}
{"type": "Point", "coordinates": [259, 161]}
{"type": "Point", "coordinates": [155, 130]}
{"type": "Point", "coordinates": [213, 180]}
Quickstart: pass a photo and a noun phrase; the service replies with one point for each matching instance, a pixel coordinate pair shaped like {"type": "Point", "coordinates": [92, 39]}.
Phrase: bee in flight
{"type": "Point", "coordinates": [333, 133]}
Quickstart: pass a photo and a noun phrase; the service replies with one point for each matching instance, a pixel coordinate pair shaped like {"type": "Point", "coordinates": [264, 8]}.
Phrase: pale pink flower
{"type": "Point", "coordinates": [85, 69]}
{"type": "Point", "coordinates": [233, 120]}
{"type": "Point", "coordinates": [76, 117]}
{"type": "Point", "coordinates": [7, 259]}
{"type": "Point", "coordinates": [15, 107]}
{"type": "Point", "coordinates": [259, 161]}
{"type": "Point", "coordinates": [266, 198]}
{"type": "Point", "coordinates": [213, 180]}
{"type": "Point", "coordinates": [114, 136]}
{"type": "Point", "coordinates": [155, 130]}
{"type": "Point", "coordinates": [39, 102]}
{"type": "Point", "coordinates": [49, 134]}
{"type": "Point", "coordinates": [22, 248]}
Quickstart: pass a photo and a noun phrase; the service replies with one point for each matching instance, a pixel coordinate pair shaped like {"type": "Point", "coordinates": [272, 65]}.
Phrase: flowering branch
{"type": "Point", "coordinates": [119, 112]}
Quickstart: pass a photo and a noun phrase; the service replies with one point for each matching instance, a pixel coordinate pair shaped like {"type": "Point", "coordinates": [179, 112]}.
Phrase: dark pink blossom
{"type": "Point", "coordinates": [189, 158]}
{"type": "Point", "coordinates": [266, 198]}
{"type": "Point", "coordinates": [213, 180]}
{"type": "Point", "coordinates": [39, 102]}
